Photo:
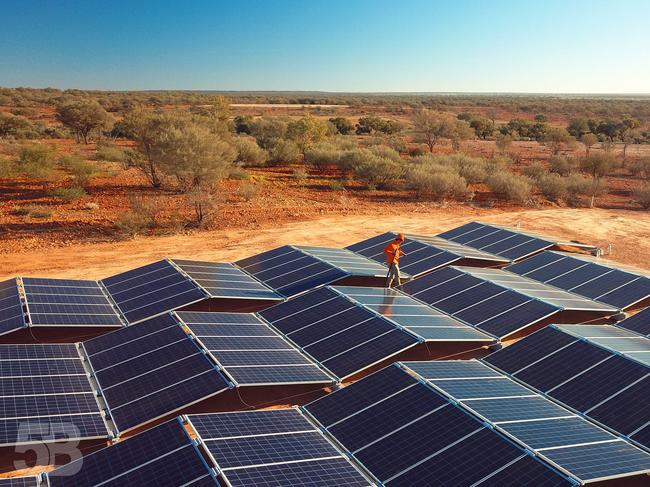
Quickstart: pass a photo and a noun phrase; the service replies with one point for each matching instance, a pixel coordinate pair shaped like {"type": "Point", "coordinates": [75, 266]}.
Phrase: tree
{"type": "Point", "coordinates": [483, 127]}
{"type": "Point", "coordinates": [343, 125]}
{"type": "Point", "coordinates": [503, 142]}
{"type": "Point", "coordinates": [578, 127]}
{"type": "Point", "coordinates": [371, 124]}
{"type": "Point", "coordinates": [597, 166]}
{"type": "Point", "coordinates": [244, 124]}
{"type": "Point", "coordinates": [429, 127]}
{"type": "Point", "coordinates": [306, 131]}
{"type": "Point", "coordinates": [556, 138]}
{"type": "Point", "coordinates": [588, 140]}
{"type": "Point", "coordinates": [83, 118]}
{"type": "Point", "coordinates": [459, 130]}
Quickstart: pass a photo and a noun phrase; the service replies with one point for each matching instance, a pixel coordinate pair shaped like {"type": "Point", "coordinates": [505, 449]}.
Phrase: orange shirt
{"type": "Point", "coordinates": [393, 252]}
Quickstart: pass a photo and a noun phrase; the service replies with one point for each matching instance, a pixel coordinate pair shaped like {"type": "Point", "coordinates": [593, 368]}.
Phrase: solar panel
{"type": "Point", "coordinates": [505, 242]}
{"type": "Point", "coordinates": [346, 260]}
{"type": "Point", "coordinates": [19, 482]}
{"type": "Point", "coordinates": [259, 361]}
{"type": "Point", "coordinates": [340, 334]}
{"type": "Point", "coordinates": [608, 386]}
{"type": "Point", "coordinates": [164, 456]}
{"type": "Point", "coordinates": [405, 433]}
{"type": "Point", "coordinates": [553, 432]}
{"type": "Point", "coordinates": [222, 280]}
{"type": "Point", "coordinates": [638, 323]}
{"type": "Point", "coordinates": [478, 301]}
{"type": "Point", "coordinates": [12, 316]}
{"type": "Point", "coordinates": [278, 447]}
{"type": "Point", "coordinates": [46, 396]}
{"type": "Point", "coordinates": [151, 370]}
{"type": "Point", "coordinates": [64, 302]}
{"type": "Point", "coordinates": [594, 278]}
{"type": "Point", "coordinates": [152, 290]}
{"type": "Point", "coordinates": [419, 319]}
{"type": "Point", "coordinates": [424, 254]}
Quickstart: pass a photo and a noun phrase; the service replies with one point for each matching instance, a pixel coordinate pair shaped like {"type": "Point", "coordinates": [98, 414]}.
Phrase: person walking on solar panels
{"type": "Point", "coordinates": [393, 252]}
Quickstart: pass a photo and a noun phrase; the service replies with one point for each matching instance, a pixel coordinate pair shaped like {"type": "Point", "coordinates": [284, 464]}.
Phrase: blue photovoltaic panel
{"type": "Point", "coordinates": [12, 316]}
{"type": "Point", "coordinates": [19, 482]}
{"type": "Point", "coordinates": [478, 301]}
{"type": "Point", "coordinates": [591, 277]}
{"type": "Point", "coordinates": [264, 448]}
{"type": "Point", "coordinates": [540, 424]}
{"type": "Point", "coordinates": [457, 369]}
{"type": "Point", "coordinates": [256, 354]}
{"type": "Point", "coordinates": [353, 264]}
{"type": "Point", "coordinates": [290, 271]}
{"type": "Point", "coordinates": [152, 290]}
{"type": "Point", "coordinates": [526, 471]}
{"type": "Point", "coordinates": [343, 336]}
{"type": "Point", "coordinates": [225, 280]}
{"type": "Point", "coordinates": [146, 372]}
{"type": "Point", "coordinates": [163, 455]}
{"type": "Point", "coordinates": [64, 302]}
{"type": "Point", "coordinates": [639, 323]}
{"type": "Point", "coordinates": [509, 243]}
{"type": "Point", "coordinates": [45, 396]}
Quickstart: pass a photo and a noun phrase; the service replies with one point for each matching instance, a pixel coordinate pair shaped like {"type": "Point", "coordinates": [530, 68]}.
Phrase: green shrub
{"type": "Point", "coordinates": [67, 194]}
{"type": "Point", "coordinates": [510, 186]}
{"type": "Point", "coordinates": [535, 171]}
{"type": "Point", "coordinates": [562, 165]}
{"type": "Point", "coordinates": [377, 171]}
{"type": "Point", "coordinates": [386, 152]}
{"type": "Point", "coordinates": [140, 216]}
{"type": "Point", "coordinates": [248, 191]}
{"type": "Point", "coordinates": [80, 169]}
{"type": "Point", "coordinates": [641, 168]}
{"type": "Point", "coordinates": [322, 156]}
{"type": "Point", "coordinates": [109, 152]}
{"type": "Point", "coordinates": [552, 186]}
{"type": "Point", "coordinates": [238, 174]}
{"type": "Point", "coordinates": [437, 182]}
{"type": "Point", "coordinates": [36, 162]}
{"type": "Point", "coordinates": [642, 196]}
{"type": "Point", "coordinates": [249, 153]}
{"type": "Point", "coordinates": [580, 187]}
{"type": "Point", "coordinates": [283, 151]}
{"type": "Point", "coordinates": [39, 212]}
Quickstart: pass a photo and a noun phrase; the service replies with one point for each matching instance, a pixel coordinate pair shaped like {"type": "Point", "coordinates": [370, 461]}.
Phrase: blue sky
{"type": "Point", "coordinates": [550, 46]}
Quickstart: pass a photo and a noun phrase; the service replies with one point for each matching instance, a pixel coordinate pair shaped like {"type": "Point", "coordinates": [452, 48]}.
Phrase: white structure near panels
{"type": "Point", "coordinates": [579, 448]}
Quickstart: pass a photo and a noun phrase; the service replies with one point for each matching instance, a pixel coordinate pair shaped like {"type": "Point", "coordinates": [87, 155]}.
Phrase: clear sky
{"type": "Point", "coordinates": [550, 46]}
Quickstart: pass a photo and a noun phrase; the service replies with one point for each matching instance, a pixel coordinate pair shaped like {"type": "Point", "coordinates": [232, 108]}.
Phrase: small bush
{"type": "Point", "coordinates": [283, 152]}
{"type": "Point", "coordinates": [417, 151]}
{"type": "Point", "coordinates": [33, 211]}
{"type": "Point", "coordinates": [552, 186]}
{"type": "Point", "coordinates": [436, 182]}
{"type": "Point", "coordinates": [337, 185]}
{"type": "Point", "coordinates": [510, 186]}
{"type": "Point", "coordinates": [535, 171]}
{"type": "Point", "coordinates": [19, 211]}
{"type": "Point", "coordinates": [642, 196]}
{"type": "Point", "coordinates": [67, 194]}
{"type": "Point", "coordinates": [91, 206]}
{"type": "Point", "coordinates": [36, 162]}
{"type": "Point", "coordinates": [386, 152]}
{"type": "Point", "coordinates": [249, 153]}
{"type": "Point", "coordinates": [580, 187]}
{"type": "Point", "coordinates": [239, 174]}
{"type": "Point", "coordinates": [248, 191]}
{"type": "Point", "coordinates": [379, 172]}
{"type": "Point", "coordinates": [141, 216]}
{"type": "Point", "coordinates": [299, 174]}
{"type": "Point", "coordinates": [562, 165]}
{"type": "Point", "coordinates": [322, 156]}
{"type": "Point", "coordinates": [641, 168]}
{"type": "Point", "coordinates": [80, 169]}
{"type": "Point", "coordinates": [109, 152]}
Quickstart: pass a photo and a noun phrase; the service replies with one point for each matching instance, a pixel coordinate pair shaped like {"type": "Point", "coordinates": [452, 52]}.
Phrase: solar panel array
{"type": "Point", "coordinates": [250, 351]}
{"type": "Point", "coordinates": [290, 271]}
{"type": "Point", "coordinates": [163, 456]}
{"type": "Point", "coordinates": [415, 317]}
{"type": "Point", "coordinates": [151, 370]}
{"type": "Point", "coordinates": [505, 242]}
{"type": "Point", "coordinates": [221, 280]}
{"type": "Point", "coordinates": [638, 323]}
{"type": "Point", "coordinates": [152, 290]}
{"type": "Point", "coordinates": [19, 482]}
{"type": "Point", "coordinates": [350, 262]}
{"type": "Point", "coordinates": [611, 388]}
{"type": "Point", "coordinates": [273, 448]}
{"type": "Point", "coordinates": [342, 336]}
{"type": "Point", "coordinates": [479, 301]}
{"type": "Point", "coordinates": [12, 316]}
{"type": "Point", "coordinates": [66, 302]}
{"type": "Point", "coordinates": [585, 451]}
{"type": "Point", "coordinates": [406, 434]}
{"type": "Point", "coordinates": [594, 278]}
{"type": "Point", "coordinates": [45, 395]}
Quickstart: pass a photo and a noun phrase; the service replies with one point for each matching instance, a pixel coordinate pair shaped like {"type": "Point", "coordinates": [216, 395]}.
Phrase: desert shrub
{"type": "Point", "coordinates": [299, 174]}
{"type": "Point", "coordinates": [379, 172]}
{"type": "Point", "coordinates": [641, 168]}
{"type": "Point", "coordinates": [510, 186]}
{"type": "Point", "coordinates": [552, 186]}
{"type": "Point", "coordinates": [337, 185]}
{"type": "Point", "coordinates": [321, 156]}
{"type": "Point", "coordinates": [417, 151]}
{"type": "Point", "coordinates": [39, 212]}
{"type": "Point", "coordinates": [498, 164]}
{"type": "Point", "coordinates": [562, 165]}
{"type": "Point", "coordinates": [248, 191]}
{"type": "Point", "coordinates": [36, 162]}
{"type": "Point", "coordinates": [472, 169]}
{"type": "Point", "coordinates": [580, 187]}
{"type": "Point", "coordinates": [386, 152]}
{"type": "Point", "coordinates": [598, 165]}
{"type": "Point", "coordinates": [19, 211]}
{"type": "Point", "coordinates": [642, 196]}
{"type": "Point", "coordinates": [238, 174]}
{"type": "Point", "coordinates": [90, 206]}
{"type": "Point", "coordinates": [18, 127]}
{"type": "Point", "coordinates": [535, 171]}
{"type": "Point", "coordinates": [283, 151]}
{"type": "Point", "coordinates": [249, 153]}
{"type": "Point", "coordinates": [80, 169]}
{"type": "Point", "coordinates": [109, 152]}
{"type": "Point", "coordinates": [140, 216]}
{"type": "Point", "coordinates": [67, 194]}
{"type": "Point", "coordinates": [436, 181]}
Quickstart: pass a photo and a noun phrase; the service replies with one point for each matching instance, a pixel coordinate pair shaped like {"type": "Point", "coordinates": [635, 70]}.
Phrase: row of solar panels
{"type": "Point", "coordinates": [447, 423]}
{"type": "Point", "coordinates": [156, 288]}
